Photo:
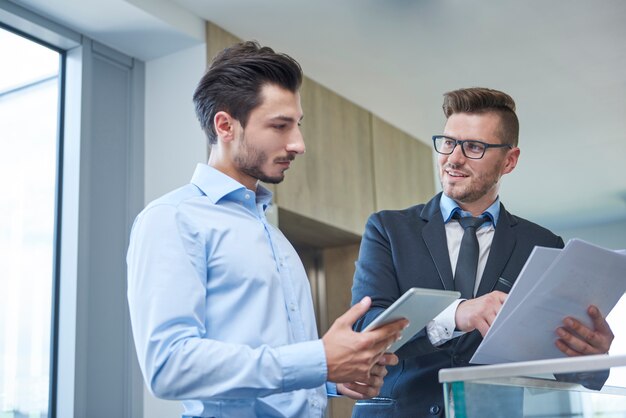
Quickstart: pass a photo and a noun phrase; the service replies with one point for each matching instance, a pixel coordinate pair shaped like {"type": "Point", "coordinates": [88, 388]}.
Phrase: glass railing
{"type": "Point", "coordinates": [538, 389]}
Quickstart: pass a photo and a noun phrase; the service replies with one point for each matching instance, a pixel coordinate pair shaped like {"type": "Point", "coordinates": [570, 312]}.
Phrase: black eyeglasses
{"type": "Point", "coordinates": [472, 149]}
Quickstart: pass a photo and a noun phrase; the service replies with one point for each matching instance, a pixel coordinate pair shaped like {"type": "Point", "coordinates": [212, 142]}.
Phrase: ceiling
{"type": "Point", "coordinates": [563, 61]}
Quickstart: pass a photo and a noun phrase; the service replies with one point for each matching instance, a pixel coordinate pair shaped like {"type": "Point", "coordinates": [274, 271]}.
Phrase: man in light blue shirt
{"type": "Point", "coordinates": [220, 304]}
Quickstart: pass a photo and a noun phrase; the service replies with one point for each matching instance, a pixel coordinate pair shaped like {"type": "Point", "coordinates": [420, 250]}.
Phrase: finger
{"type": "Point", "coordinates": [380, 344]}
{"type": "Point", "coordinates": [359, 390]}
{"type": "Point", "coordinates": [501, 296]}
{"type": "Point", "coordinates": [380, 371]}
{"type": "Point", "coordinates": [392, 327]}
{"type": "Point", "coordinates": [574, 326]}
{"type": "Point", "coordinates": [385, 335]}
{"type": "Point", "coordinates": [489, 318]}
{"type": "Point", "coordinates": [599, 322]}
{"type": "Point", "coordinates": [573, 346]}
{"type": "Point", "coordinates": [576, 343]}
{"type": "Point", "coordinates": [566, 349]}
{"type": "Point", "coordinates": [568, 343]}
{"type": "Point", "coordinates": [482, 327]}
{"type": "Point", "coordinates": [388, 359]}
{"type": "Point", "coordinates": [352, 394]}
{"type": "Point", "coordinates": [355, 312]}
{"type": "Point", "coordinates": [364, 386]}
{"type": "Point", "coordinates": [584, 334]}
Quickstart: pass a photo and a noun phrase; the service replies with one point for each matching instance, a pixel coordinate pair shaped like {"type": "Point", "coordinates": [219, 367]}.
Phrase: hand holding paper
{"type": "Point", "coordinates": [575, 339]}
{"type": "Point", "coordinates": [552, 286]}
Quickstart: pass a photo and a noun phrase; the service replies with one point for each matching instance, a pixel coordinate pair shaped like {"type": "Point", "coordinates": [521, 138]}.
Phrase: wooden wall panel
{"type": "Point", "coordinates": [338, 271]}
{"type": "Point", "coordinates": [338, 265]}
{"type": "Point", "coordinates": [217, 39]}
{"type": "Point", "coordinates": [333, 181]}
{"type": "Point", "coordinates": [403, 168]}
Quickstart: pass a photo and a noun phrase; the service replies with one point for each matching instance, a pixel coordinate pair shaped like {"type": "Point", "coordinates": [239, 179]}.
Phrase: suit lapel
{"type": "Point", "coordinates": [432, 234]}
{"type": "Point", "coordinates": [502, 247]}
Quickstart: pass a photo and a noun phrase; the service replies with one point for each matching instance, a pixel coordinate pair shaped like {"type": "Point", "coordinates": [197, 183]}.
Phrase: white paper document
{"type": "Point", "coordinates": [552, 285]}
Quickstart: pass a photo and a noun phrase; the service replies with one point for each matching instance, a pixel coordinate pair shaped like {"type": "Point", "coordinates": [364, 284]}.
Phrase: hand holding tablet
{"type": "Point", "coordinates": [417, 305]}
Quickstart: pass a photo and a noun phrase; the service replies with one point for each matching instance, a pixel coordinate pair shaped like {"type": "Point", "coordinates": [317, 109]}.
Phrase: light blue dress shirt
{"type": "Point", "coordinates": [448, 207]}
{"type": "Point", "coordinates": [442, 328]}
{"type": "Point", "coordinates": [221, 307]}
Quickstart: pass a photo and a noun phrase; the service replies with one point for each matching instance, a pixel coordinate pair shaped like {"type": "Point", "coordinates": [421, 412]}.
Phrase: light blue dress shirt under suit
{"type": "Point", "coordinates": [221, 307]}
{"type": "Point", "coordinates": [449, 207]}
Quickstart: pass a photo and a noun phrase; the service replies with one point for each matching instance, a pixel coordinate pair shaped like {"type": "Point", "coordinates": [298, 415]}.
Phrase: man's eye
{"type": "Point", "coordinates": [474, 146]}
{"type": "Point", "coordinates": [448, 143]}
{"type": "Point", "coordinates": [280, 127]}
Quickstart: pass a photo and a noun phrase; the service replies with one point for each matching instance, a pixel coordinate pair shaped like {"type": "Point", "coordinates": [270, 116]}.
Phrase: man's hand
{"type": "Point", "coordinates": [371, 388]}
{"type": "Point", "coordinates": [575, 339]}
{"type": "Point", "coordinates": [350, 355]}
{"type": "Point", "coordinates": [479, 313]}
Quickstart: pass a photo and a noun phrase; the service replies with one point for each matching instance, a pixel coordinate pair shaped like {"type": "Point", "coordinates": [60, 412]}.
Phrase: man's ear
{"type": "Point", "coordinates": [224, 126]}
{"type": "Point", "coordinates": [510, 162]}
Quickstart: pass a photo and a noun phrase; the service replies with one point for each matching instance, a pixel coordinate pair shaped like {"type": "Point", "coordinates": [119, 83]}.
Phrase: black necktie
{"type": "Point", "coordinates": [467, 263]}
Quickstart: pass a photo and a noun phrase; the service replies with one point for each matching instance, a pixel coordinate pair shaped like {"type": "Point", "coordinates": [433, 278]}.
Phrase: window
{"type": "Point", "coordinates": [29, 126]}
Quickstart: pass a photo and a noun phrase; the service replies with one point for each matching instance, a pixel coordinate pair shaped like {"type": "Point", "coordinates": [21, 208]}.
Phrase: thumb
{"type": "Point", "coordinates": [356, 311]}
{"type": "Point", "coordinates": [599, 322]}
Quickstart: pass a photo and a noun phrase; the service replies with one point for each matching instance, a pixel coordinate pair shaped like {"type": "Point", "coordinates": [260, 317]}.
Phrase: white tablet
{"type": "Point", "coordinates": [417, 305]}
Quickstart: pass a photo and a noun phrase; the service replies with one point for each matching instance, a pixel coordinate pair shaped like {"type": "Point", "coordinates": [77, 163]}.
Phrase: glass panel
{"type": "Point", "coordinates": [29, 100]}
{"type": "Point", "coordinates": [534, 397]}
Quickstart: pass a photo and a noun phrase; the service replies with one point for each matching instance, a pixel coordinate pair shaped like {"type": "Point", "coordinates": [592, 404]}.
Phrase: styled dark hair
{"type": "Point", "coordinates": [483, 100]}
{"type": "Point", "coordinates": [234, 80]}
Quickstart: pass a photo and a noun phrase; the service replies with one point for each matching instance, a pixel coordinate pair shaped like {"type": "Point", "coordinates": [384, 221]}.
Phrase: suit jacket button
{"type": "Point", "coordinates": [434, 410]}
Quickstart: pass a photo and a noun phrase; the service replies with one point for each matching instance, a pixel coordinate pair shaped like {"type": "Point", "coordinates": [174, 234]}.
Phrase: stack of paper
{"type": "Point", "coordinates": [552, 285]}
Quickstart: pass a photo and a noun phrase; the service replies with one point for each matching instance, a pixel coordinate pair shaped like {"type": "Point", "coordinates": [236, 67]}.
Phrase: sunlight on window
{"type": "Point", "coordinates": [29, 98]}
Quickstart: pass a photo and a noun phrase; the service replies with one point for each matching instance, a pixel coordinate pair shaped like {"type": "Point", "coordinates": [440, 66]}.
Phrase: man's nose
{"type": "Point", "coordinates": [457, 155]}
{"type": "Point", "coordinates": [296, 143]}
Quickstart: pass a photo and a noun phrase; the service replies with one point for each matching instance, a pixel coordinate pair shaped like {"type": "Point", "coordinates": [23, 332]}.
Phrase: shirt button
{"type": "Point", "coordinates": [292, 307]}
{"type": "Point", "coordinates": [247, 196]}
{"type": "Point", "coordinates": [434, 410]}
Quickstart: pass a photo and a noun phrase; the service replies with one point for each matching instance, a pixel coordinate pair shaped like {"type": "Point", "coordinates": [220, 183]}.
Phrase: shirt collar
{"type": "Point", "coordinates": [448, 208]}
{"type": "Point", "coordinates": [217, 186]}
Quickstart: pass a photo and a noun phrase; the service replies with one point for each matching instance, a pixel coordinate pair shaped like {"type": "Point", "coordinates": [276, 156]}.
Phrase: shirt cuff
{"type": "Point", "coordinates": [303, 365]}
{"type": "Point", "coordinates": [331, 390]}
{"type": "Point", "coordinates": [441, 329]}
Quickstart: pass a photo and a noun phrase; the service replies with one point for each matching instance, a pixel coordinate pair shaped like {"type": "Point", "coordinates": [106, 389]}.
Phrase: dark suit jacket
{"type": "Point", "coordinates": [407, 248]}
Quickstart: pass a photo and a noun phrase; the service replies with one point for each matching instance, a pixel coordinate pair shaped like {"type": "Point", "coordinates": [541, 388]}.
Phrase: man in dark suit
{"type": "Point", "coordinates": [420, 246]}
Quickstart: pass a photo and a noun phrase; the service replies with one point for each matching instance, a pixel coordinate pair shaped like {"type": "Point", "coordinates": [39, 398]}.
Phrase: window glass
{"type": "Point", "coordinates": [29, 103]}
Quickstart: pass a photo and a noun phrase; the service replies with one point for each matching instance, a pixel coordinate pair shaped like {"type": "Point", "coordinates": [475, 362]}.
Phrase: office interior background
{"type": "Point", "coordinates": [96, 120]}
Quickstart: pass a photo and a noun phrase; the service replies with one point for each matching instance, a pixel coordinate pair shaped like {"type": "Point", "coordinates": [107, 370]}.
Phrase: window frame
{"type": "Point", "coordinates": [56, 236]}
{"type": "Point", "coordinates": [80, 316]}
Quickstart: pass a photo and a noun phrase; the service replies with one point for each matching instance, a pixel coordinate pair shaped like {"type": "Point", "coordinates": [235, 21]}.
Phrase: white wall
{"type": "Point", "coordinates": [609, 235]}
{"type": "Point", "coordinates": [174, 141]}
{"type": "Point", "coordinates": [174, 144]}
